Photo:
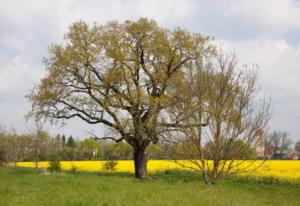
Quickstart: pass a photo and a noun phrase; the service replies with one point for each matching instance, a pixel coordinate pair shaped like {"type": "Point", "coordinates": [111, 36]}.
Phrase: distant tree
{"type": "Point", "coordinates": [155, 151]}
{"type": "Point", "coordinates": [58, 141]}
{"type": "Point", "coordinates": [91, 148]}
{"type": "Point", "coordinates": [246, 151]}
{"type": "Point", "coordinates": [109, 150]}
{"type": "Point", "coordinates": [5, 147]}
{"type": "Point", "coordinates": [13, 146]}
{"type": "Point", "coordinates": [39, 145]}
{"type": "Point", "coordinates": [63, 140]}
{"type": "Point", "coordinates": [69, 153]}
{"type": "Point", "coordinates": [278, 142]}
{"type": "Point", "coordinates": [123, 151]}
{"type": "Point", "coordinates": [71, 142]}
{"type": "Point", "coordinates": [297, 146]}
{"type": "Point", "coordinates": [18, 146]}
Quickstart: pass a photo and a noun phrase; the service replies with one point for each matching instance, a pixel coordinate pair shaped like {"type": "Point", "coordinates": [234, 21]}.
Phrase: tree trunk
{"type": "Point", "coordinates": [36, 160]}
{"type": "Point", "coordinates": [205, 178]}
{"type": "Point", "coordinates": [140, 162]}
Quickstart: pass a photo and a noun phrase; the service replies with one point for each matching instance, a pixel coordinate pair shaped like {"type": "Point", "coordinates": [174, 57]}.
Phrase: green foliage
{"type": "Point", "coordinates": [297, 146]}
{"type": "Point", "coordinates": [110, 166]}
{"type": "Point", "coordinates": [238, 150]}
{"type": "Point", "coordinates": [73, 168]}
{"type": "Point", "coordinates": [54, 165]}
{"type": "Point", "coordinates": [69, 153]}
{"type": "Point", "coordinates": [71, 142]}
{"type": "Point", "coordinates": [91, 149]}
{"type": "Point", "coordinates": [109, 151]}
{"type": "Point", "coordinates": [123, 151]}
{"type": "Point", "coordinates": [155, 151]}
{"type": "Point", "coordinates": [63, 140]}
{"type": "Point", "coordinates": [14, 147]}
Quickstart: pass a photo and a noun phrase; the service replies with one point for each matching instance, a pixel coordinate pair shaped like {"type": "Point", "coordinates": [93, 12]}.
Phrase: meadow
{"type": "Point", "coordinates": [279, 169]}
{"type": "Point", "coordinates": [33, 187]}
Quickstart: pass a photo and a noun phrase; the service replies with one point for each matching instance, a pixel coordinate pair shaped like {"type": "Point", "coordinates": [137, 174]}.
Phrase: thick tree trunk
{"type": "Point", "coordinates": [140, 162]}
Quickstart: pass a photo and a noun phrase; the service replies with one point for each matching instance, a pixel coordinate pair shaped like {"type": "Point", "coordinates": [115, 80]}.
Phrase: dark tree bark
{"type": "Point", "coordinates": [140, 162]}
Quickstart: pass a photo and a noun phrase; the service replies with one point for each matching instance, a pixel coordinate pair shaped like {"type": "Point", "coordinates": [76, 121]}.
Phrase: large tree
{"type": "Point", "coordinates": [117, 75]}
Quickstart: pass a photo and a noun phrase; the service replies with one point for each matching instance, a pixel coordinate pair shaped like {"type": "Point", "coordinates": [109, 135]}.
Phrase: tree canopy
{"type": "Point", "coordinates": [119, 75]}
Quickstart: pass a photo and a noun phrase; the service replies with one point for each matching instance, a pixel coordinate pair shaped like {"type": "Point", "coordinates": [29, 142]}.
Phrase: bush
{"type": "Point", "coordinates": [73, 168]}
{"type": "Point", "coordinates": [110, 166]}
{"type": "Point", "coordinates": [54, 165]}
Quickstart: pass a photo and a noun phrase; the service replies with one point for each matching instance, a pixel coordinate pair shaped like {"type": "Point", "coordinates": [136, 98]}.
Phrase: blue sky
{"type": "Point", "coordinates": [263, 32]}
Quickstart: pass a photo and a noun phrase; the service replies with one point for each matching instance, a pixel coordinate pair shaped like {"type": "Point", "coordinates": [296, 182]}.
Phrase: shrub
{"type": "Point", "coordinates": [54, 165]}
{"type": "Point", "coordinates": [110, 166]}
{"type": "Point", "coordinates": [73, 168]}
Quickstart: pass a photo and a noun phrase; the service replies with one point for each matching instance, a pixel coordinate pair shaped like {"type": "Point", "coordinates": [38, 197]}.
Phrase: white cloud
{"type": "Point", "coordinates": [276, 15]}
{"type": "Point", "coordinates": [279, 76]}
{"type": "Point", "coordinates": [167, 10]}
{"type": "Point", "coordinates": [17, 74]}
{"type": "Point", "coordinates": [254, 29]}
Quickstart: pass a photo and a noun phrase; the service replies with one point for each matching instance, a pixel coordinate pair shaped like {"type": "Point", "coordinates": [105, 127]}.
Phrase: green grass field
{"type": "Point", "coordinates": [29, 187]}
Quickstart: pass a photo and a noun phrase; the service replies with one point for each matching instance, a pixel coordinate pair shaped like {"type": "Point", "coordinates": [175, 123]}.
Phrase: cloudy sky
{"type": "Point", "coordinates": [263, 32]}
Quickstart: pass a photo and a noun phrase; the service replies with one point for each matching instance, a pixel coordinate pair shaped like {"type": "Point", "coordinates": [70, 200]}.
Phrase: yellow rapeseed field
{"type": "Point", "coordinates": [280, 169]}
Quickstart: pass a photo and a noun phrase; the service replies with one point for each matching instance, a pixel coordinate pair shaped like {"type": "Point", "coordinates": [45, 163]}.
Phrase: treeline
{"type": "Point", "coordinates": [41, 146]}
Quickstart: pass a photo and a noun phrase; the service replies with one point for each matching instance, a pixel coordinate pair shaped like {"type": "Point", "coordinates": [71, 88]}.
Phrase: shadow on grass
{"type": "Point", "coordinates": [168, 176]}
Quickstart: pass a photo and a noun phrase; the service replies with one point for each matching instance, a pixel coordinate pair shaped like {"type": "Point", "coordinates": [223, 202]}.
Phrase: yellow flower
{"type": "Point", "coordinates": [280, 169]}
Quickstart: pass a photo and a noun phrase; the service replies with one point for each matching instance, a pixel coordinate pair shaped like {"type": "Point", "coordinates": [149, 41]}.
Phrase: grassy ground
{"type": "Point", "coordinates": [29, 187]}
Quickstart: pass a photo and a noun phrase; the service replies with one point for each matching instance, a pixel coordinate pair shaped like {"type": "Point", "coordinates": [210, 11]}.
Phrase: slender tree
{"type": "Point", "coordinates": [39, 143]}
{"type": "Point", "coordinates": [297, 146]}
{"type": "Point", "coordinates": [71, 142]}
{"type": "Point", "coordinates": [63, 140]}
{"type": "Point", "coordinates": [221, 114]}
